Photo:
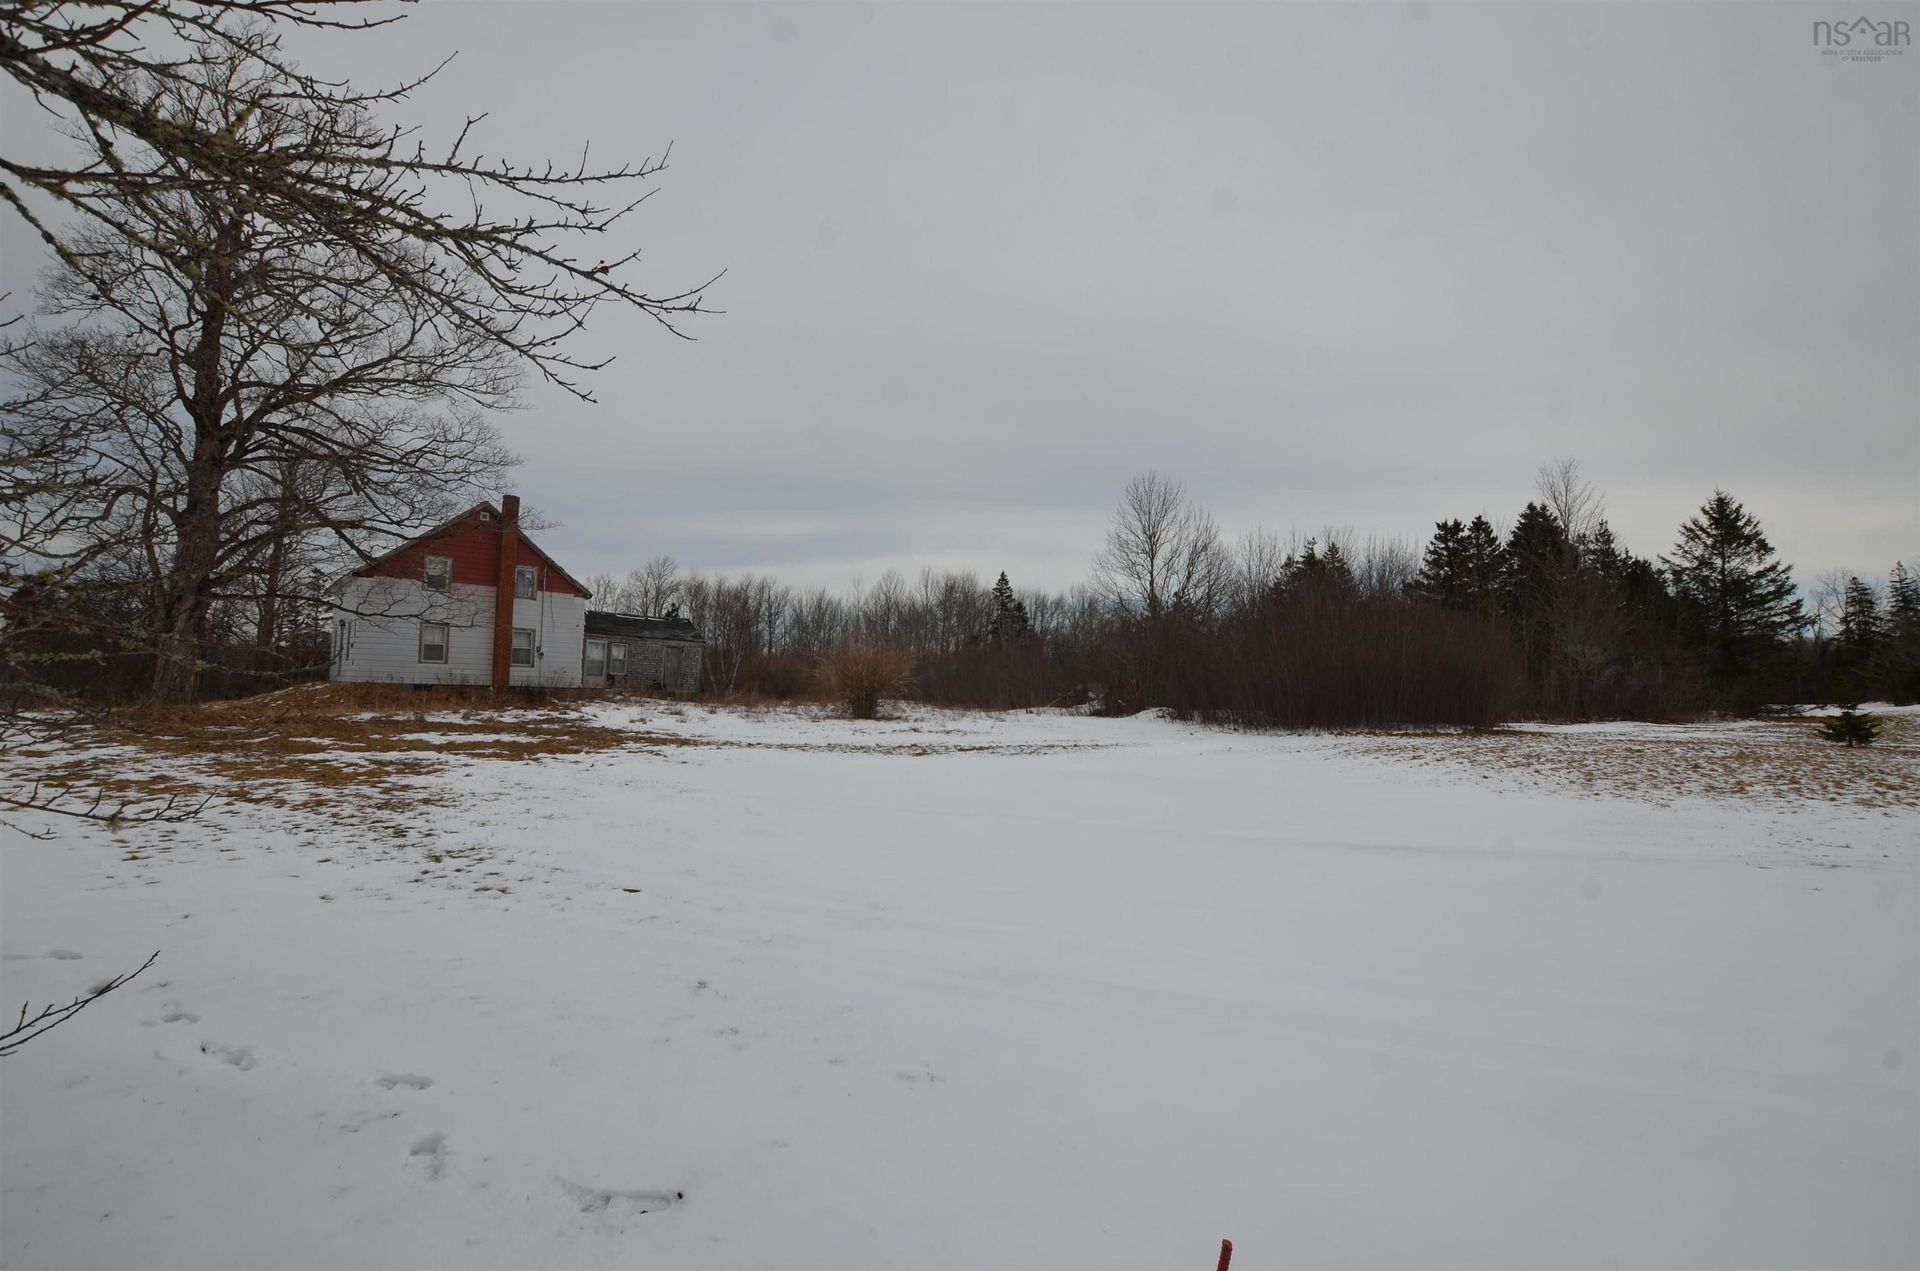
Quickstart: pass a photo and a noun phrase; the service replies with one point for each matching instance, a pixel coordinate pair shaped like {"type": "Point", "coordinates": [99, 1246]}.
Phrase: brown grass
{"type": "Point", "coordinates": [754, 699]}
{"type": "Point", "coordinates": [351, 749]}
{"type": "Point", "coordinates": [1783, 759]}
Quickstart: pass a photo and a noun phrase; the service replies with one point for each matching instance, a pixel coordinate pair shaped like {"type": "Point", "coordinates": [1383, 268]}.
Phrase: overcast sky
{"type": "Point", "coordinates": [1365, 266]}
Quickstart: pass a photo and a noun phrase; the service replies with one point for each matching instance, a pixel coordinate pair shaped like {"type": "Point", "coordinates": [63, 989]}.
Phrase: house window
{"type": "Point", "coordinates": [439, 573]}
{"type": "Point", "coordinates": [523, 646]}
{"type": "Point", "coordinates": [617, 660]}
{"type": "Point", "coordinates": [524, 582]}
{"type": "Point", "coordinates": [433, 642]}
{"type": "Point", "coordinates": [596, 662]}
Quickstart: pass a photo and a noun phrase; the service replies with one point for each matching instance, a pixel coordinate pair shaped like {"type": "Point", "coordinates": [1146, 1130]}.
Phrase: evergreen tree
{"type": "Point", "coordinates": [1009, 618]}
{"type": "Point", "coordinates": [1602, 554]}
{"type": "Point", "coordinates": [1903, 603]}
{"type": "Point", "coordinates": [1482, 561]}
{"type": "Point", "coordinates": [1335, 568]}
{"type": "Point", "coordinates": [1850, 727]}
{"type": "Point", "coordinates": [1860, 627]}
{"type": "Point", "coordinates": [1633, 580]}
{"type": "Point", "coordinates": [1645, 589]}
{"type": "Point", "coordinates": [1443, 570]}
{"type": "Point", "coordinates": [1319, 570]}
{"type": "Point", "coordinates": [1899, 661]}
{"type": "Point", "coordinates": [1536, 557]}
{"type": "Point", "coordinates": [1737, 600]}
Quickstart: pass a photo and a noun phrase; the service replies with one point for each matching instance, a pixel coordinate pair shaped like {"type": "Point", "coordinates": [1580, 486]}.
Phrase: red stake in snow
{"type": "Point", "coordinates": [1226, 1254]}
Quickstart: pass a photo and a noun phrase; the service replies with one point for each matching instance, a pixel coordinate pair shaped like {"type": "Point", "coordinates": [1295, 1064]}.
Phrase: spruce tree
{"type": "Point", "coordinates": [1318, 570]}
{"type": "Point", "coordinates": [1604, 557]}
{"type": "Point", "coordinates": [1335, 569]}
{"type": "Point", "coordinates": [1899, 660]}
{"type": "Point", "coordinates": [1860, 626]}
{"type": "Point", "coordinates": [1482, 561]}
{"type": "Point", "coordinates": [1442, 576]}
{"type": "Point", "coordinates": [1850, 727]}
{"type": "Point", "coordinates": [1903, 603]}
{"type": "Point", "coordinates": [1736, 599]}
{"type": "Point", "coordinates": [1537, 556]}
{"type": "Point", "coordinates": [1009, 618]}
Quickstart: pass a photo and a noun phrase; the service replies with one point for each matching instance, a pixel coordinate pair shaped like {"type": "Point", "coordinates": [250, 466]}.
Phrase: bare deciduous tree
{"type": "Point", "coordinates": [1571, 498]}
{"type": "Point", "coordinates": [1162, 549]}
{"type": "Point", "coordinates": [654, 588]}
{"type": "Point", "coordinates": [338, 178]}
{"type": "Point", "coordinates": [232, 380]}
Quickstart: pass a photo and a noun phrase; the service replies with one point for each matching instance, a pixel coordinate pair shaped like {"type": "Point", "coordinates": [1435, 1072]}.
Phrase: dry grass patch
{"type": "Point", "coordinates": [1776, 759]}
{"type": "Point", "coordinates": [324, 751]}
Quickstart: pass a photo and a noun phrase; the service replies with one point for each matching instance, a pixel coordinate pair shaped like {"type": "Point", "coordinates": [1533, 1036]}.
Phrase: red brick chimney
{"type": "Point", "coordinates": [503, 591]}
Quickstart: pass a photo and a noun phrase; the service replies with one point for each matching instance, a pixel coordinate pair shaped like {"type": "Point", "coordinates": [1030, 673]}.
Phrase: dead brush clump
{"type": "Point", "coordinates": [862, 671]}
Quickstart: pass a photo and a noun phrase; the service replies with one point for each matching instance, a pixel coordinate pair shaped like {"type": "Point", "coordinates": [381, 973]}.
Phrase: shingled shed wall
{"type": "Point", "coordinates": [661, 653]}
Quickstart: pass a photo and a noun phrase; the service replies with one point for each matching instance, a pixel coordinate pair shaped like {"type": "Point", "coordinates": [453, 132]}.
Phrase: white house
{"type": "Point", "coordinates": [473, 601]}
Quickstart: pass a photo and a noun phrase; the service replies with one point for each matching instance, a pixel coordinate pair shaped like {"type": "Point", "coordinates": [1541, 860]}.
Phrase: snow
{"type": "Point", "coordinates": [972, 990]}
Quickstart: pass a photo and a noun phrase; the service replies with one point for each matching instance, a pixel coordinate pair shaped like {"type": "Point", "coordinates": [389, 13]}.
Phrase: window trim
{"type": "Point", "coordinates": [532, 575]}
{"type": "Point", "coordinates": [586, 659]}
{"type": "Point", "coordinates": [426, 574]}
{"type": "Point", "coordinates": [532, 649]}
{"type": "Point", "coordinates": [446, 644]}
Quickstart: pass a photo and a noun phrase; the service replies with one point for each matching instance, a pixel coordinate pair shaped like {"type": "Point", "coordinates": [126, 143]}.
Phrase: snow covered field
{"type": "Point", "coordinates": [986, 991]}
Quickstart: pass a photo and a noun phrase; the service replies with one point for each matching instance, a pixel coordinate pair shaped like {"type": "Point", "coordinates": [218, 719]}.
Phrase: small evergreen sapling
{"type": "Point", "coordinates": [1850, 727]}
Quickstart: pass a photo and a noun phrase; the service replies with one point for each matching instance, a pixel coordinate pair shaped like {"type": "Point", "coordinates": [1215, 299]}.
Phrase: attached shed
{"type": "Point", "coordinates": [626, 650]}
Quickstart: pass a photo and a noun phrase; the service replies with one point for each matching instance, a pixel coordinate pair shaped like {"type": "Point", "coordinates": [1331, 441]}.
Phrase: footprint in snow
{"type": "Point", "coordinates": [595, 1200]}
{"type": "Point", "coordinates": [411, 1080]}
{"type": "Point", "coordinates": [66, 955]}
{"type": "Point", "coordinates": [429, 1154]}
{"type": "Point", "coordinates": [240, 1057]}
{"type": "Point", "coordinates": [175, 1015]}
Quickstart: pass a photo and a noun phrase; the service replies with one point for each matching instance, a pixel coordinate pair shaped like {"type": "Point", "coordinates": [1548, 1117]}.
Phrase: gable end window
{"type": "Point", "coordinates": [439, 573]}
{"type": "Point", "coordinates": [433, 642]}
{"type": "Point", "coordinates": [525, 579]}
{"type": "Point", "coordinates": [523, 646]}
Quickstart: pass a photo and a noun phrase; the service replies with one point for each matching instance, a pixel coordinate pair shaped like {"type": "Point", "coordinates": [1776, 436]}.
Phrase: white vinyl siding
{"type": "Point", "coordinates": [558, 621]}
{"type": "Point", "coordinates": [377, 634]}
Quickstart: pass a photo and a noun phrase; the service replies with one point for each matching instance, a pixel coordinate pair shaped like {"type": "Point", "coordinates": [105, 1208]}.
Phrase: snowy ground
{"type": "Point", "coordinates": [986, 991]}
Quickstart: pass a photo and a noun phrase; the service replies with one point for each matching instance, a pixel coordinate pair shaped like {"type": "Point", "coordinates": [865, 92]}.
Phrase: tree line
{"type": "Point", "coordinates": [1552, 617]}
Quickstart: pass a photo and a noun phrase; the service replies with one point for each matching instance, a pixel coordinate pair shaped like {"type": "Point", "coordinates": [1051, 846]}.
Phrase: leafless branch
{"type": "Point", "coordinates": [50, 1016]}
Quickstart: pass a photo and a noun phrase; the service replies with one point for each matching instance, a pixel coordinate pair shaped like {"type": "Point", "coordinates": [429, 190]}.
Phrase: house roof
{"type": "Point", "coordinates": [485, 505]}
{"type": "Point", "coordinates": [636, 626]}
